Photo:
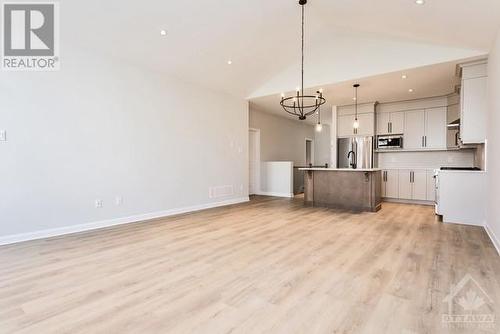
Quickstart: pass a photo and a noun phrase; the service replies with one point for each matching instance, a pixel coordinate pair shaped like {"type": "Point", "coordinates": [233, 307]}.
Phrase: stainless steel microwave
{"type": "Point", "coordinates": [389, 142]}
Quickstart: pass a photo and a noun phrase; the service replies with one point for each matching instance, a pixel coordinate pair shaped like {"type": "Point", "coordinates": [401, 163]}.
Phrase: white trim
{"type": "Point", "coordinates": [407, 201]}
{"type": "Point", "coordinates": [258, 185]}
{"type": "Point", "coordinates": [275, 194]}
{"type": "Point", "coordinates": [494, 240]}
{"type": "Point", "coordinates": [10, 239]}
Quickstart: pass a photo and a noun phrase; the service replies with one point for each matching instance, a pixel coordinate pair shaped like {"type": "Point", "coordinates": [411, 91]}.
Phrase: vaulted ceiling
{"type": "Point", "coordinates": [344, 38]}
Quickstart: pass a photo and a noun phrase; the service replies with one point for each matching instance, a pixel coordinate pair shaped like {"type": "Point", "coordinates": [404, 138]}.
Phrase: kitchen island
{"type": "Point", "coordinates": [343, 188]}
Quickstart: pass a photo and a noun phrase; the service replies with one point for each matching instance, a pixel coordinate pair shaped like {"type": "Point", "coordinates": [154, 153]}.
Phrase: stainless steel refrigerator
{"type": "Point", "coordinates": [355, 152]}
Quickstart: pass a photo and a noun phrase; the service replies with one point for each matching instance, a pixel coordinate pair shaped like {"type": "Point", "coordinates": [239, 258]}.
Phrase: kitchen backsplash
{"type": "Point", "coordinates": [427, 160]}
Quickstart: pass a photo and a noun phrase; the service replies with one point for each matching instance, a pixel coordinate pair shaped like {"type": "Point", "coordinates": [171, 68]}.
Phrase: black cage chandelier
{"type": "Point", "coordinates": [302, 105]}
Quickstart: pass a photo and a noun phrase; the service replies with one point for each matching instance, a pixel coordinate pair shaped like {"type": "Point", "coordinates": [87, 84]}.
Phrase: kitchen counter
{"type": "Point", "coordinates": [351, 189]}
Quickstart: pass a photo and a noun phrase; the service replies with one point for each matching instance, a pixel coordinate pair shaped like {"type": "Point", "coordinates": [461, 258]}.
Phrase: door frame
{"type": "Point", "coordinates": [312, 150]}
{"type": "Point", "coordinates": [257, 170]}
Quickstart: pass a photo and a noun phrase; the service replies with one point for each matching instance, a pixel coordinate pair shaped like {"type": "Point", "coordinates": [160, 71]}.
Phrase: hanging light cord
{"type": "Point", "coordinates": [302, 69]}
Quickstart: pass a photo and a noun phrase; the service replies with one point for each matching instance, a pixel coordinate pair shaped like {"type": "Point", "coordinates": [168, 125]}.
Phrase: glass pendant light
{"type": "Point", "coordinates": [319, 126]}
{"type": "Point", "coordinates": [356, 122]}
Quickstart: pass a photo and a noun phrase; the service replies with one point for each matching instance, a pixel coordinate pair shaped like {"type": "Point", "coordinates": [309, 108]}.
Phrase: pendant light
{"type": "Point", "coordinates": [356, 122]}
{"type": "Point", "coordinates": [319, 126]}
{"type": "Point", "coordinates": [300, 104]}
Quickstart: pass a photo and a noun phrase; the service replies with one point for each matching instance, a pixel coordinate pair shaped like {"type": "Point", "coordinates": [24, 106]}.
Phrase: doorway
{"type": "Point", "coordinates": [254, 161]}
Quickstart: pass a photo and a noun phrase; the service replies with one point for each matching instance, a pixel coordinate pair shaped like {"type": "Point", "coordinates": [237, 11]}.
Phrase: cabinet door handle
{"type": "Point", "coordinates": [388, 127]}
{"type": "Point", "coordinates": [423, 144]}
{"type": "Point", "coordinates": [391, 126]}
{"type": "Point", "coordinates": [425, 141]}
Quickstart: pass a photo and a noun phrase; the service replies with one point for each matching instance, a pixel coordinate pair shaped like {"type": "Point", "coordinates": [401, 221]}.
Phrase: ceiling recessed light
{"type": "Point", "coordinates": [163, 32]}
{"type": "Point", "coordinates": [410, 90]}
{"type": "Point", "coordinates": [404, 76]}
{"type": "Point", "coordinates": [354, 99]}
{"type": "Point", "coordinates": [229, 62]}
{"type": "Point", "coordinates": [420, 2]}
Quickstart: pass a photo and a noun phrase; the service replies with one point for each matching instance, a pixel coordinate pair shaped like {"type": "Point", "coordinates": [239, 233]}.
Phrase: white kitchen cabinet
{"type": "Point", "coordinates": [431, 185]}
{"type": "Point", "coordinates": [383, 123]}
{"type": "Point", "coordinates": [435, 128]}
{"type": "Point", "coordinates": [345, 125]}
{"type": "Point", "coordinates": [425, 129]}
{"type": "Point", "coordinates": [419, 185]}
{"type": "Point", "coordinates": [397, 122]}
{"type": "Point", "coordinates": [413, 184]}
{"type": "Point", "coordinates": [390, 123]}
{"type": "Point", "coordinates": [404, 184]}
{"type": "Point", "coordinates": [414, 131]}
{"type": "Point", "coordinates": [366, 125]}
{"type": "Point", "coordinates": [473, 110]}
{"type": "Point", "coordinates": [390, 183]}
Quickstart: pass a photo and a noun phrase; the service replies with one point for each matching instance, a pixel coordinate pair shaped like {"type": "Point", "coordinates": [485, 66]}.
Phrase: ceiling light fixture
{"type": "Point", "coordinates": [410, 90]}
{"type": "Point", "coordinates": [420, 2]}
{"type": "Point", "coordinates": [356, 122]}
{"type": "Point", "coordinates": [404, 76]}
{"type": "Point", "coordinates": [163, 32]}
{"type": "Point", "coordinates": [229, 62]}
{"type": "Point", "coordinates": [302, 105]}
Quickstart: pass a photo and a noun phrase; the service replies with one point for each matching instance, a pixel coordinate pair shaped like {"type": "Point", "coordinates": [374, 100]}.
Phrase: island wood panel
{"type": "Point", "coordinates": [352, 190]}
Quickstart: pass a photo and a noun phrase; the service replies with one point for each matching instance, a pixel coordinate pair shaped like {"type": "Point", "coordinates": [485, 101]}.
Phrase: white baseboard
{"type": "Point", "coordinates": [407, 201]}
{"type": "Point", "coordinates": [10, 239]}
{"type": "Point", "coordinates": [493, 237]}
{"type": "Point", "coordinates": [275, 194]}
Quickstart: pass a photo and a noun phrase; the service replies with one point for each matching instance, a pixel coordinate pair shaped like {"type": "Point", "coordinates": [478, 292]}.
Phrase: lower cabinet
{"type": "Point", "coordinates": [413, 184]}
{"type": "Point", "coordinates": [390, 183]}
{"type": "Point", "coordinates": [409, 184]}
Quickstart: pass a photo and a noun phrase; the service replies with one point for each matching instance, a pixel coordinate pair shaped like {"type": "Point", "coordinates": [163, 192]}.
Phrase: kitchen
{"type": "Point", "coordinates": [428, 148]}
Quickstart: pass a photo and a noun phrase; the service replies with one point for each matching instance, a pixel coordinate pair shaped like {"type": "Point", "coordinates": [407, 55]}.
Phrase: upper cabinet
{"type": "Point", "coordinates": [435, 128]}
{"type": "Point", "coordinates": [422, 122]}
{"type": "Point", "coordinates": [474, 97]}
{"type": "Point", "coordinates": [390, 123]}
{"type": "Point", "coordinates": [425, 129]}
{"type": "Point", "coordinates": [414, 130]}
{"type": "Point", "coordinates": [366, 120]}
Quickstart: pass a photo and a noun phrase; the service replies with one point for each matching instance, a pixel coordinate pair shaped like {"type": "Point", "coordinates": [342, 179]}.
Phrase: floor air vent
{"type": "Point", "coordinates": [220, 191]}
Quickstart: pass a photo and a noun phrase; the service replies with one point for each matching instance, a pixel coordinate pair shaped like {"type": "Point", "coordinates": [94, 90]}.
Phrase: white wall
{"type": "Point", "coordinates": [493, 146]}
{"type": "Point", "coordinates": [276, 178]}
{"type": "Point", "coordinates": [281, 139]}
{"type": "Point", "coordinates": [98, 129]}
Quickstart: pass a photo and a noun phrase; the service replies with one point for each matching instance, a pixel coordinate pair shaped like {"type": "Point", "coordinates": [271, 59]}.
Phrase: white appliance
{"type": "Point", "coordinates": [436, 192]}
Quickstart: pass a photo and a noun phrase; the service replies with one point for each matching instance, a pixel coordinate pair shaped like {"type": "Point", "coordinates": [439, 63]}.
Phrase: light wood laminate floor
{"type": "Point", "coordinates": [267, 266]}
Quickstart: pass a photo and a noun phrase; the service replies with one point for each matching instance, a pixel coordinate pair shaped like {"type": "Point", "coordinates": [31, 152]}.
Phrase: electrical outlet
{"type": "Point", "coordinates": [119, 200]}
{"type": "Point", "coordinates": [98, 203]}
{"type": "Point", "coordinates": [3, 135]}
